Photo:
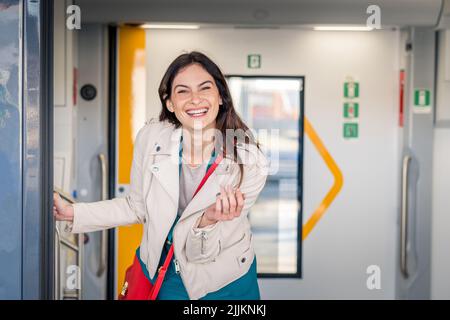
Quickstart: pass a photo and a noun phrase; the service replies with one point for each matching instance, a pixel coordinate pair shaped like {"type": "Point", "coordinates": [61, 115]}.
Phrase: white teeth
{"type": "Point", "coordinates": [192, 112]}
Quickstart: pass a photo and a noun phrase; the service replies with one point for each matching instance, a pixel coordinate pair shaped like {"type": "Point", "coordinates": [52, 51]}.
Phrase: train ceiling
{"type": "Point", "coordinates": [260, 13]}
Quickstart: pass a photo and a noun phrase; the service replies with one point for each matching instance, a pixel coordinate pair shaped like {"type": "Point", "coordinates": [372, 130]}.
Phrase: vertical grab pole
{"type": "Point", "coordinates": [404, 218]}
{"type": "Point", "coordinates": [104, 236]}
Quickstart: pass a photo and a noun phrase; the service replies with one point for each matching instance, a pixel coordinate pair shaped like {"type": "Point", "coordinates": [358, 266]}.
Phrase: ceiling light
{"type": "Point", "coordinates": [342, 28]}
{"type": "Point", "coordinates": [170, 26]}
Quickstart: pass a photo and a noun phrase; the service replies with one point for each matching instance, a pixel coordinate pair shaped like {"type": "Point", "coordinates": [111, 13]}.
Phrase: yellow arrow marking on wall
{"type": "Point", "coordinates": [337, 185]}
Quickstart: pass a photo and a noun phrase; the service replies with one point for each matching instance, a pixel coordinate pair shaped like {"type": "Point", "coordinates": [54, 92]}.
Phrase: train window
{"type": "Point", "coordinates": [273, 108]}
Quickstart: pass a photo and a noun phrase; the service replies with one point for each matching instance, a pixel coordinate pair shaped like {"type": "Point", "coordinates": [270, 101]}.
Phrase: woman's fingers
{"type": "Point", "coordinates": [58, 203]}
{"type": "Point", "coordinates": [225, 201]}
{"type": "Point", "coordinates": [239, 202]}
{"type": "Point", "coordinates": [229, 204]}
{"type": "Point", "coordinates": [61, 210]}
{"type": "Point", "coordinates": [218, 211]}
{"type": "Point", "coordinates": [60, 217]}
{"type": "Point", "coordinates": [232, 201]}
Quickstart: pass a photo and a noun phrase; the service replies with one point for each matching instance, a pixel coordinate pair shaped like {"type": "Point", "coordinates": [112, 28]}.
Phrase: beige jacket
{"type": "Point", "coordinates": [209, 258]}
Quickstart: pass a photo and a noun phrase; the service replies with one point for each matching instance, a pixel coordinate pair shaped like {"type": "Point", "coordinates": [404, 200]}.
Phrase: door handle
{"type": "Point", "coordinates": [104, 234]}
{"type": "Point", "coordinates": [404, 218]}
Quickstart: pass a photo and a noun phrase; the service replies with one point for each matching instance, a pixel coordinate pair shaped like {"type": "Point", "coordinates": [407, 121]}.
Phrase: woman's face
{"type": "Point", "coordinates": [195, 98]}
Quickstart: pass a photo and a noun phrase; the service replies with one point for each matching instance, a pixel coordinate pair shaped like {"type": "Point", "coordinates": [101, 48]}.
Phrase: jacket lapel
{"type": "Point", "coordinates": [166, 170]}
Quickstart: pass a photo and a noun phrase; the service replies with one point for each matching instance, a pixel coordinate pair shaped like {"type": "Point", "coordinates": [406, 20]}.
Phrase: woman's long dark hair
{"type": "Point", "coordinates": [227, 118]}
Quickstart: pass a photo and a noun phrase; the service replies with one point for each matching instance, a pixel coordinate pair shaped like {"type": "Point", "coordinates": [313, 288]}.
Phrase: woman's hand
{"type": "Point", "coordinates": [228, 206]}
{"type": "Point", "coordinates": [62, 211]}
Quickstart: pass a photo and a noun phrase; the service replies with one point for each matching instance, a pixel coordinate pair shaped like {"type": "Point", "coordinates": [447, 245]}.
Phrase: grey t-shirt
{"type": "Point", "coordinates": [190, 178]}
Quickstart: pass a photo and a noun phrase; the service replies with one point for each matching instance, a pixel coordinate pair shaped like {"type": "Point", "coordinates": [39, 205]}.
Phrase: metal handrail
{"type": "Point", "coordinates": [57, 265]}
{"type": "Point", "coordinates": [78, 248]}
{"type": "Point", "coordinates": [64, 195]}
{"type": "Point", "coordinates": [404, 218]}
{"type": "Point", "coordinates": [69, 244]}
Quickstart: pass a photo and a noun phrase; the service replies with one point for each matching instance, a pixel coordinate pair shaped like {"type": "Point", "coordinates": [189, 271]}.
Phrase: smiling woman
{"type": "Point", "coordinates": [193, 83]}
{"type": "Point", "coordinates": [195, 103]}
{"type": "Point", "coordinates": [195, 175]}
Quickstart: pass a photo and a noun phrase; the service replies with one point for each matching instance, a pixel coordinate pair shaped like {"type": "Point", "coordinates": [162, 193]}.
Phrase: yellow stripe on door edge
{"type": "Point", "coordinates": [131, 43]}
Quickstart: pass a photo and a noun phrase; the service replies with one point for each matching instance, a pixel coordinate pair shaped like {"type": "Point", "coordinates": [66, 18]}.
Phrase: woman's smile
{"type": "Point", "coordinates": [197, 112]}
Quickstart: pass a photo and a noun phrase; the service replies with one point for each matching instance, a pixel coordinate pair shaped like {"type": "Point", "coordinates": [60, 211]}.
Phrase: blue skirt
{"type": "Point", "coordinates": [244, 288]}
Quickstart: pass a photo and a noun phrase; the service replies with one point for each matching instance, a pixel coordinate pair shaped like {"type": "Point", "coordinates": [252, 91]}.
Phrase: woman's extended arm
{"type": "Point", "coordinates": [88, 217]}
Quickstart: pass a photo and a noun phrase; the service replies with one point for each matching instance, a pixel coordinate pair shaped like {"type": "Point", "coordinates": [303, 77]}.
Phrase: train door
{"type": "Point", "coordinates": [69, 248]}
{"type": "Point", "coordinates": [96, 121]}
{"type": "Point", "coordinates": [92, 149]}
{"type": "Point", "coordinates": [26, 228]}
{"type": "Point", "coordinates": [82, 144]}
{"type": "Point", "coordinates": [414, 247]}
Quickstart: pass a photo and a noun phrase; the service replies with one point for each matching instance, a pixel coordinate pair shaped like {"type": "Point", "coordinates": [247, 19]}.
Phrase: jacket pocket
{"type": "Point", "coordinates": [241, 238]}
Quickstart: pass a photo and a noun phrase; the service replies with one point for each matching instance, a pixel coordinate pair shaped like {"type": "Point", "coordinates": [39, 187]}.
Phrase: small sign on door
{"type": "Point", "coordinates": [350, 130]}
{"type": "Point", "coordinates": [351, 110]}
{"type": "Point", "coordinates": [351, 89]}
{"type": "Point", "coordinates": [254, 61]}
{"type": "Point", "coordinates": [422, 102]}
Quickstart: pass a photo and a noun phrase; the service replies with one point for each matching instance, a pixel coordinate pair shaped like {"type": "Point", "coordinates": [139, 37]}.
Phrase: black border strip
{"type": "Point", "coordinates": [112, 91]}
{"type": "Point", "coordinates": [437, 46]}
{"type": "Point", "coordinates": [46, 117]}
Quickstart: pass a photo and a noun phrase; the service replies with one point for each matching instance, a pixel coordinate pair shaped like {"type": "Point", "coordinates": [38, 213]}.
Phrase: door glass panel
{"type": "Point", "coordinates": [272, 108]}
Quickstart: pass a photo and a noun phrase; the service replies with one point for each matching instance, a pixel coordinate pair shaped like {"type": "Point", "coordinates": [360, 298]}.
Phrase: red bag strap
{"type": "Point", "coordinates": [162, 270]}
{"type": "Point", "coordinates": [161, 274]}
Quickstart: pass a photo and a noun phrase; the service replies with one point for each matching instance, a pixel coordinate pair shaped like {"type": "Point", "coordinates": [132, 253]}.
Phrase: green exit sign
{"type": "Point", "coordinates": [350, 130]}
{"type": "Point", "coordinates": [254, 61]}
{"type": "Point", "coordinates": [351, 89]}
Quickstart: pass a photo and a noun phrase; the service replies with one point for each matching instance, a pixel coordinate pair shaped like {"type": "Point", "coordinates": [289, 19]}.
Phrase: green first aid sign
{"type": "Point", "coordinates": [422, 101]}
{"type": "Point", "coordinates": [350, 130]}
{"type": "Point", "coordinates": [351, 110]}
{"type": "Point", "coordinates": [422, 97]}
{"type": "Point", "coordinates": [351, 89]}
